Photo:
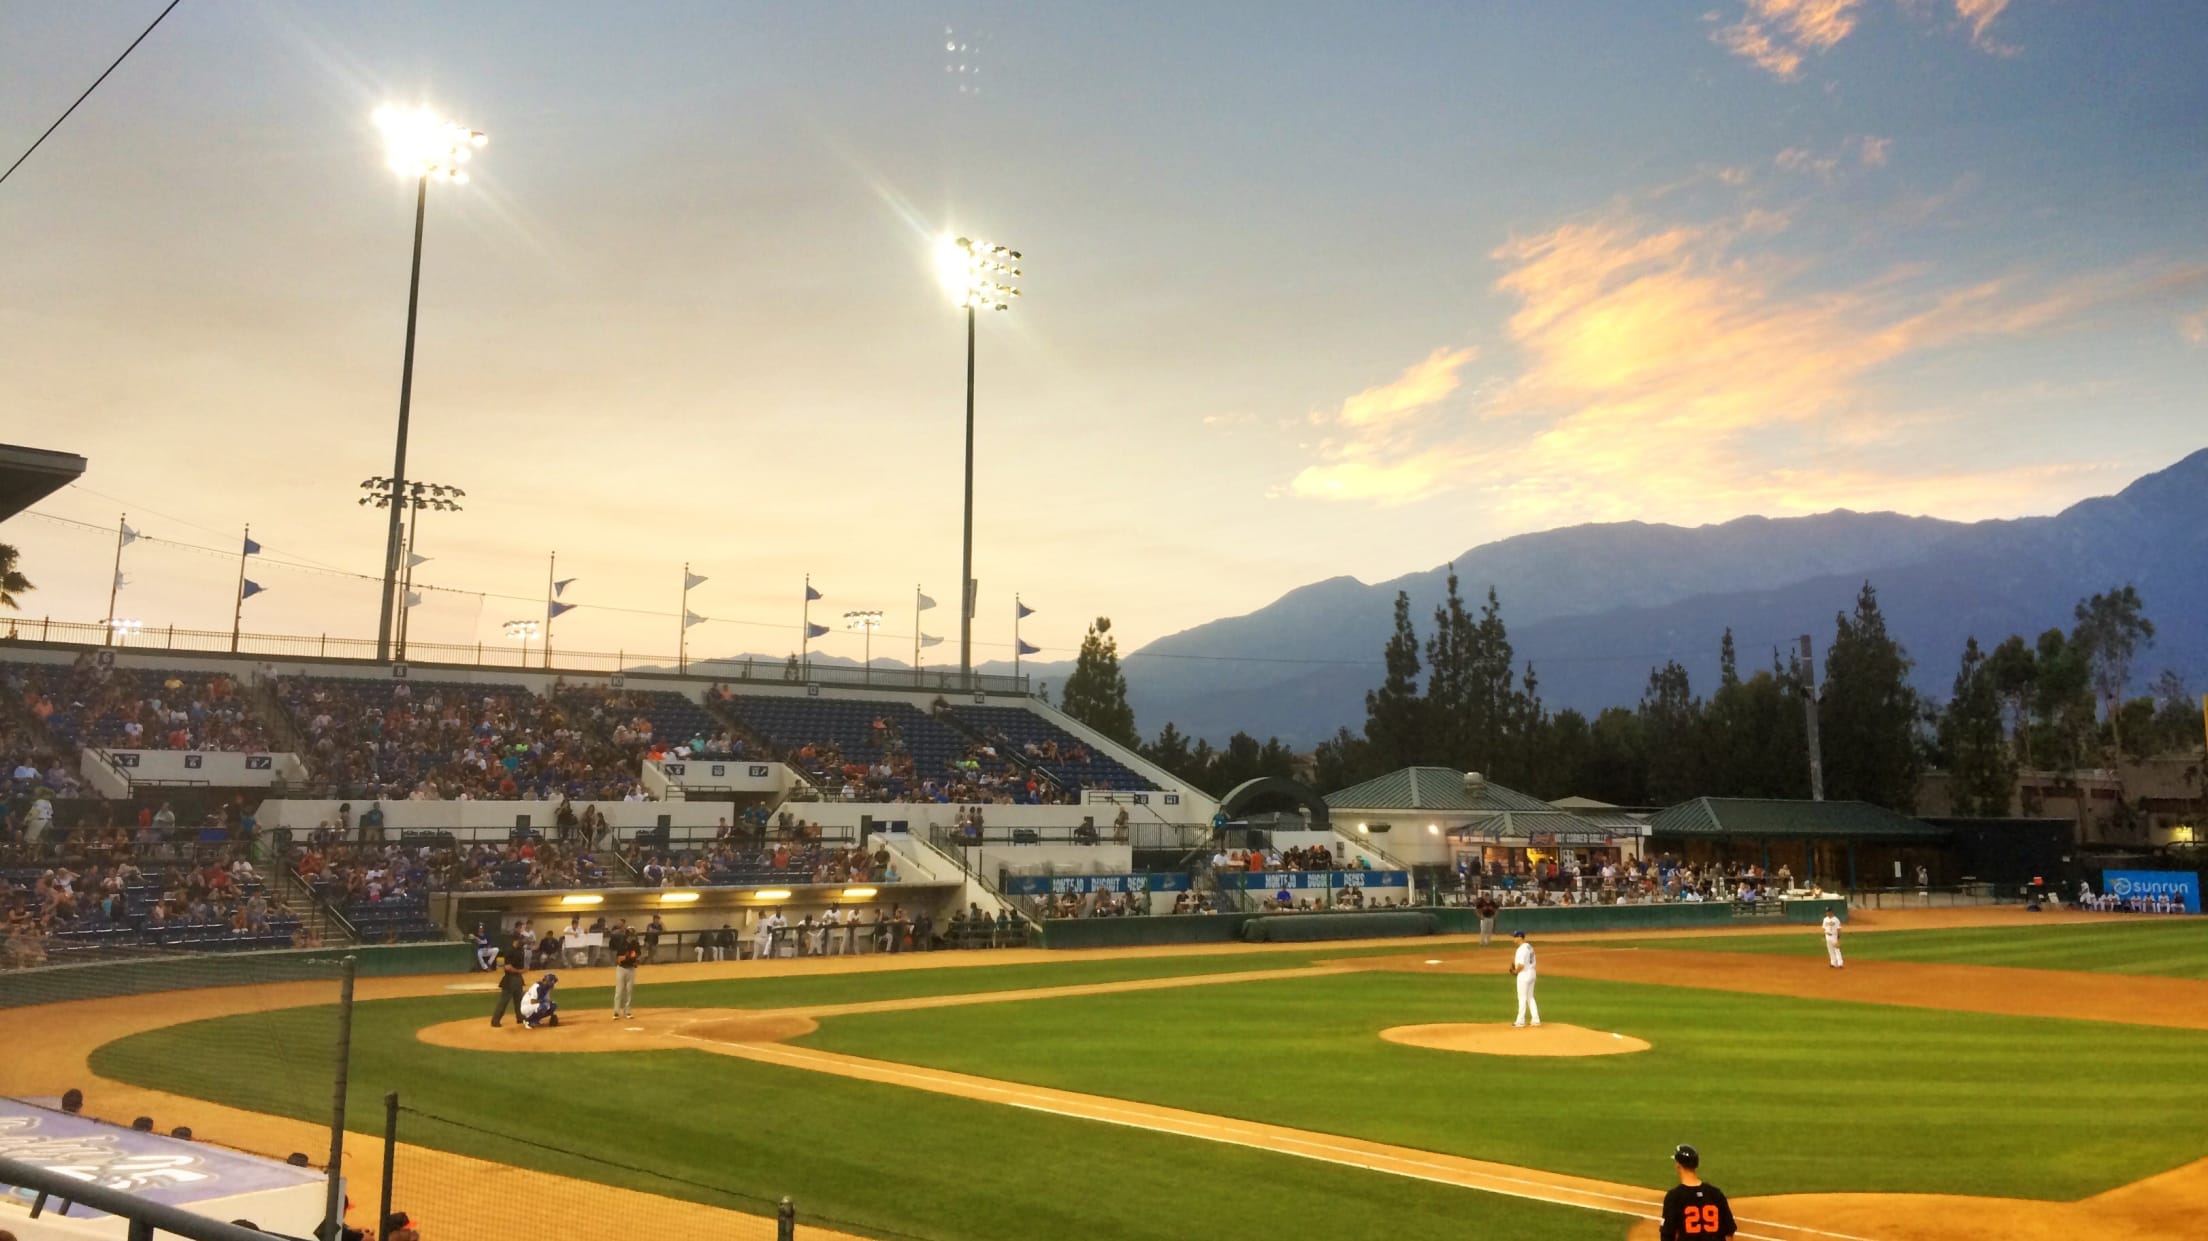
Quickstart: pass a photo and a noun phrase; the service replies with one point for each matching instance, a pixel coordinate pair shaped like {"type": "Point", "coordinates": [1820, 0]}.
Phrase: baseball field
{"type": "Point", "coordinates": [1971, 1073]}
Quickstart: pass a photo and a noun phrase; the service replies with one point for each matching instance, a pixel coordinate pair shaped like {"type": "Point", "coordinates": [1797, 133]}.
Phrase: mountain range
{"type": "Point", "coordinates": [1594, 608]}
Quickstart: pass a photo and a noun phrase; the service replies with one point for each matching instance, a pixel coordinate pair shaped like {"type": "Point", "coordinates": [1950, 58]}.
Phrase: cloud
{"type": "Point", "coordinates": [1979, 15]}
{"type": "Point", "coordinates": [1663, 368]}
{"type": "Point", "coordinates": [1873, 151]}
{"type": "Point", "coordinates": [1776, 34]}
{"type": "Point", "coordinates": [2194, 328]}
{"type": "Point", "coordinates": [1418, 387]}
{"type": "Point", "coordinates": [1863, 149]}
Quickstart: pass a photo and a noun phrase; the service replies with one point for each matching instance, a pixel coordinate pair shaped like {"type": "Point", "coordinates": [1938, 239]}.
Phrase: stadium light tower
{"type": "Point", "coordinates": [436, 497]}
{"type": "Point", "coordinates": [865, 622]}
{"type": "Point", "coordinates": [977, 276]}
{"type": "Point", "coordinates": [418, 144]}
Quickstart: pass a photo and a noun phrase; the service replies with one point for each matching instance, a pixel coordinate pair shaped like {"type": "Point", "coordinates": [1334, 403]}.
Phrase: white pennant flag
{"type": "Point", "coordinates": [691, 581]}
{"type": "Point", "coordinates": [923, 604]}
{"type": "Point", "coordinates": [926, 640]}
{"type": "Point", "coordinates": [130, 536]}
{"type": "Point", "coordinates": [121, 581]}
{"type": "Point", "coordinates": [691, 618]}
{"type": "Point", "coordinates": [413, 598]}
{"type": "Point", "coordinates": [415, 561]}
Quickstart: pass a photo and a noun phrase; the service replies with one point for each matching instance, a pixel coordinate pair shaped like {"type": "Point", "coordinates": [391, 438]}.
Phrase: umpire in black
{"type": "Point", "coordinates": [513, 962]}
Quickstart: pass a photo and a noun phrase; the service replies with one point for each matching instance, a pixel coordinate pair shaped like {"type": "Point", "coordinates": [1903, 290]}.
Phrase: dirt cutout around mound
{"type": "Point", "coordinates": [1500, 1038]}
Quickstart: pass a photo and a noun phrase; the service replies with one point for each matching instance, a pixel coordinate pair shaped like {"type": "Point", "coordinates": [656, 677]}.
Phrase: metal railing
{"type": "Point", "coordinates": [54, 1191]}
{"type": "Point", "coordinates": [95, 634]}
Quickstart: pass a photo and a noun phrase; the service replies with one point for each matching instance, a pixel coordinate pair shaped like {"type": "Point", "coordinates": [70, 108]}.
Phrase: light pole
{"type": "Point", "coordinates": [435, 496]}
{"type": "Point", "coordinates": [419, 145]}
{"type": "Point", "coordinates": [523, 630]}
{"type": "Point", "coordinates": [121, 629]}
{"type": "Point", "coordinates": [976, 274]}
{"type": "Point", "coordinates": [865, 622]}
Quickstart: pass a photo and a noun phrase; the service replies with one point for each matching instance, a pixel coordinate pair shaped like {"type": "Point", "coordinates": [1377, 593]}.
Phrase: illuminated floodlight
{"type": "Point", "coordinates": [419, 143]}
{"type": "Point", "coordinates": [858, 894]}
{"type": "Point", "coordinates": [977, 274]}
{"type": "Point", "coordinates": [772, 894]}
{"type": "Point", "coordinates": [678, 898]}
{"type": "Point", "coordinates": [590, 898]}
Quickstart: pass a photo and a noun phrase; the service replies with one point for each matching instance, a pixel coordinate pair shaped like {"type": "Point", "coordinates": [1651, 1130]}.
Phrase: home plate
{"type": "Point", "coordinates": [1500, 1038]}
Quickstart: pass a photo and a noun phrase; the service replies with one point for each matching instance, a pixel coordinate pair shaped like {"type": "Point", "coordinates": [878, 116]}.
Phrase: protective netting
{"type": "Point", "coordinates": [528, 1186]}
{"type": "Point", "coordinates": [191, 1039]}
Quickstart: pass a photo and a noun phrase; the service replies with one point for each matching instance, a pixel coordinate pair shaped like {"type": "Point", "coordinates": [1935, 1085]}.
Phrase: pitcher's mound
{"type": "Point", "coordinates": [1500, 1038]}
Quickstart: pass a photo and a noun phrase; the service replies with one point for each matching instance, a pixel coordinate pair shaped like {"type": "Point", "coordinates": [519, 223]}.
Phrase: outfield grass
{"type": "Point", "coordinates": [1784, 1096]}
{"type": "Point", "coordinates": [2172, 948]}
{"type": "Point", "coordinates": [871, 1157]}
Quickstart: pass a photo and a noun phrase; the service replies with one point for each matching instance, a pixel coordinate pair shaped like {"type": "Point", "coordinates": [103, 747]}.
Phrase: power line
{"type": "Point", "coordinates": [87, 92]}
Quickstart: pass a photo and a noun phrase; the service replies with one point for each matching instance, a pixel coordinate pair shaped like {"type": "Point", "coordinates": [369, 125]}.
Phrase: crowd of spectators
{"type": "Point", "coordinates": [525, 863]}
{"type": "Point", "coordinates": [110, 890]}
{"type": "Point", "coordinates": [452, 742]}
{"type": "Point", "coordinates": [88, 704]}
{"type": "Point", "coordinates": [1314, 858]}
{"type": "Point", "coordinates": [1660, 879]}
{"type": "Point", "coordinates": [381, 888]}
{"type": "Point", "coordinates": [631, 721]}
{"type": "Point", "coordinates": [733, 860]}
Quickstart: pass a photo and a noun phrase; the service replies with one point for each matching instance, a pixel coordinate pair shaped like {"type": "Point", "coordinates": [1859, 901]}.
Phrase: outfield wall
{"type": "Point", "coordinates": [93, 980]}
{"type": "Point", "coordinates": [1170, 929]}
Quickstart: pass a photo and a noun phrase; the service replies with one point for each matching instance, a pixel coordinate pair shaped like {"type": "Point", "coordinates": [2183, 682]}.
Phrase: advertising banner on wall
{"type": "Point", "coordinates": [2182, 886]}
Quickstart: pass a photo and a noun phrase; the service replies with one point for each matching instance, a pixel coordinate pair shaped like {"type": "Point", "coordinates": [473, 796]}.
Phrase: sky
{"type": "Point", "coordinates": [1308, 290]}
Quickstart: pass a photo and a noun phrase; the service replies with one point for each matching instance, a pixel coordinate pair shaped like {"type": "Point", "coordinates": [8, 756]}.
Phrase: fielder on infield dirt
{"type": "Point", "coordinates": [1521, 967]}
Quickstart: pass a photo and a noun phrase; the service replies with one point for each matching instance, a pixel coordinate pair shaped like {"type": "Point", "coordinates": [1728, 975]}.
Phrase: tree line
{"type": "Point", "coordinates": [1459, 698]}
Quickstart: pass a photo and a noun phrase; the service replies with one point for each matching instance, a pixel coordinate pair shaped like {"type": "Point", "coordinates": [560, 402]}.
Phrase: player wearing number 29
{"type": "Point", "coordinates": [1692, 1208]}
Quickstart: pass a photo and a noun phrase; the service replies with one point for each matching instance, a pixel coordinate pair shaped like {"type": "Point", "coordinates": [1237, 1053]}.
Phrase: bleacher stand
{"type": "Point", "coordinates": [85, 704]}
{"type": "Point", "coordinates": [382, 890]}
{"type": "Point", "coordinates": [433, 741]}
{"type": "Point", "coordinates": [1070, 762]}
{"type": "Point", "coordinates": [110, 892]}
{"type": "Point", "coordinates": [875, 750]}
{"type": "Point", "coordinates": [657, 724]}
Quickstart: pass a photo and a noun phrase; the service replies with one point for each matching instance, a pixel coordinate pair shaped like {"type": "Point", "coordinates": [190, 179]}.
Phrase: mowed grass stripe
{"type": "Point", "coordinates": [2166, 947]}
{"type": "Point", "coordinates": [1793, 1096]}
{"type": "Point", "coordinates": [870, 1157]}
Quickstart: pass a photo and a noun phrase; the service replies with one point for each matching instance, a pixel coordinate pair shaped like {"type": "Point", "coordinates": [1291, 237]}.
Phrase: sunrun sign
{"type": "Point", "coordinates": [2182, 886]}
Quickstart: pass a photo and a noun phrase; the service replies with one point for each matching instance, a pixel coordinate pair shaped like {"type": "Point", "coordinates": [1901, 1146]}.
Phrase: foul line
{"type": "Point", "coordinates": [1476, 1175]}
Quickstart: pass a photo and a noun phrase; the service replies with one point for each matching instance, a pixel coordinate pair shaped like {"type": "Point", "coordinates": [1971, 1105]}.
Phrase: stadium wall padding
{"type": "Point", "coordinates": [104, 979]}
{"type": "Point", "coordinates": [1306, 928]}
{"type": "Point", "coordinates": [1131, 932]}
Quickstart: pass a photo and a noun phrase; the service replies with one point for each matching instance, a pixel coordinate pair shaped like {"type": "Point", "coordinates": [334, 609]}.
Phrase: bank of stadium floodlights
{"type": "Point", "coordinates": [420, 144]}
{"type": "Point", "coordinates": [979, 276]}
{"type": "Point", "coordinates": [413, 497]}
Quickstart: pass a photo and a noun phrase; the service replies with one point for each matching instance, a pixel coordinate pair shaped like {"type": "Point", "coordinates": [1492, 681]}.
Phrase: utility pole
{"type": "Point", "coordinates": [1809, 708]}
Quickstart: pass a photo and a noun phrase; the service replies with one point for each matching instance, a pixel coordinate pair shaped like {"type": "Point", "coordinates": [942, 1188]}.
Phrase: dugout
{"type": "Point", "coordinates": [1838, 843]}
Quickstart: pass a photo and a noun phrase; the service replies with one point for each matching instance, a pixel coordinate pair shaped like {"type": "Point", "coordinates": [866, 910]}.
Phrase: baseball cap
{"type": "Point", "coordinates": [551, 977]}
{"type": "Point", "coordinates": [1686, 1156]}
{"type": "Point", "coordinates": [1517, 934]}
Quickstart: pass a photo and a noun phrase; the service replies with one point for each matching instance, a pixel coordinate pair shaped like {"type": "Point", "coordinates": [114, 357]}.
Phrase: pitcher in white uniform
{"type": "Point", "coordinates": [1521, 967]}
{"type": "Point", "coordinates": [1832, 939]}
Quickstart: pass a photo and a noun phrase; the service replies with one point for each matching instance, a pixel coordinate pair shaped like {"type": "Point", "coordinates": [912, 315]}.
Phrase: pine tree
{"type": "Point", "coordinates": [1342, 760]}
{"type": "Point", "coordinates": [1095, 692]}
{"type": "Point", "coordinates": [12, 581]}
{"type": "Point", "coordinates": [1973, 740]}
{"type": "Point", "coordinates": [1448, 711]}
{"type": "Point", "coordinates": [1170, 750]}
{"type": "Point", "coordinates": [1671, 723]}
{"type": "Point", "coordinates": [1395, 713]}
{"type": "Point", "coordinates": [2014, 671]}
{"type": "Point", "coordinates": [1728, 664]}
{"type": "Point", "coordinates": [1870, 716]}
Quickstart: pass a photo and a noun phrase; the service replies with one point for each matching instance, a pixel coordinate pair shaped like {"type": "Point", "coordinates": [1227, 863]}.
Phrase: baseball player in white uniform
{"type": "Point", "coordinates": [1832, 939]}
{"type": "Point", "coordinates": [1521, 967]}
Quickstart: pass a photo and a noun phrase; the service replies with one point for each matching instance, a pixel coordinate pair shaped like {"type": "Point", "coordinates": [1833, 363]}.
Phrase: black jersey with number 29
{"type": "Point", "coordinates": [1696, 1211]}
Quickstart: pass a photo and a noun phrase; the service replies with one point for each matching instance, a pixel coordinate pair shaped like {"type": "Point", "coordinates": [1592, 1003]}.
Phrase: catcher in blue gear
{"type": "Point", "coordinates": [537, 1006]}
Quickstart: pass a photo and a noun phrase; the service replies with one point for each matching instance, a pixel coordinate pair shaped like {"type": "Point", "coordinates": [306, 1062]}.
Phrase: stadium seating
{"type": "Point", "coordinates": [649, 722]}
{"type": "Point", "coordinates": [107, 911]}
{"type": "Point", "coordinates": [136, 708]}
{"type": "Point", "coordinates": [393, 738]}
{"type": "Point", "coordinates": [1070, 762]}
{"type": "Point", "coordinates": [847, 743]}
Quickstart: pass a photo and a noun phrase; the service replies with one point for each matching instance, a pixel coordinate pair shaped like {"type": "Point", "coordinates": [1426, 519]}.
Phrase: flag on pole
{"type": "Point", "coordinates": [252, 548]}
{"type": "Point", "coordinates": [560, 588]}
{"type": "Point", "coordinates": [414, 560]}
{"type": "Point", "coordinates": [130, 536]}
{"type": "Point", "coordinates": [815, 631]}
{"type": "Point", "coordinates": [1024, 611]}
{"type": "Point", "coordinates": [924, 603]}
{"type": "Point", "coordinates": [250, 589]}
{"type": "Point", "coordinates": [1025, 647]}
{"type": "Point", "coordinates": [930, 640]}
{"type": "Point", "coordinates": [121, 581]}
{"type": "Point", "coordinates": [811, 595]}
{"type": "Point", "coordinates": [691, 581]}
{"type": "Point", "coordinates": [691, 618]}
{"type": "Point", "coordinates": [413, 598]}
{"type": "Point", "coordinates": [560, 608]}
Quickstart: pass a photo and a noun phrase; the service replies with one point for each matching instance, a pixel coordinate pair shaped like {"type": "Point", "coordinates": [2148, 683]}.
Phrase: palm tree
{"type": "Point", "coordinates": [12, 582]}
